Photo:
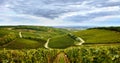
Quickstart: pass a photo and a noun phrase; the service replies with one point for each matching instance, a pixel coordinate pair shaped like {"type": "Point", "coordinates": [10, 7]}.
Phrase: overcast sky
{"type": "Point", "coordinates": [60, 12]}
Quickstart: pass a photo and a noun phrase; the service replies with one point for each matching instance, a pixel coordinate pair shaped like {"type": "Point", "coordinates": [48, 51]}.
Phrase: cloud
{"type": "Point", "coordinates": [44, 8]}
{"type": "Point", "coordinates": [114, 1]}
{"type": "Point", "coordinates": [26, 20]}
{"type": "Point", "coordinates": [112, 20]}
{"type": "Point", "coordinates": [57, 12]}
{"type": "Point", "coordinates": [93, 13]}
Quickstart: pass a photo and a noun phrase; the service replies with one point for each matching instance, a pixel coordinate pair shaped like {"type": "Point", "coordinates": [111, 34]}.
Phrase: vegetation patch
{"type": "Point", "coordinates": [106, 54]}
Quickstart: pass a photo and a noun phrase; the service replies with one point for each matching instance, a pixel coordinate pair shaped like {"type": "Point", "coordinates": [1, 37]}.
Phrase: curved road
{"type": "Point", "coordinates": [20, 34]}
{"type": "Point", "coordinates": [46, 44]}
{"type": "Point", "coordinates": [81, 41]}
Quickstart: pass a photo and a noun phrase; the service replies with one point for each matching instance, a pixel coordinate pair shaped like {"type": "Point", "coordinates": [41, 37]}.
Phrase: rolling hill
{"type": "Point", "coordinates": [99, 36]}
{"type": "Point", "coordinates": [32, 36]}
{"type": "Point", "coordinates": [90, 36]}
{"type": "Point", "coordinates": [37, 36]}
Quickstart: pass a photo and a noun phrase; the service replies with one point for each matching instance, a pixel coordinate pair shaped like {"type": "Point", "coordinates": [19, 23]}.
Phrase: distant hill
{"type": "Point", "coordinates": [74, 27]}
{"type": "Point", "coordinates": [108, 28]}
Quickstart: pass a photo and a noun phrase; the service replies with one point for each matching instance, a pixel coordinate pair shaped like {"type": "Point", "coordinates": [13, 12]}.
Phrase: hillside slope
{"type": "Point", "coordinates": [31, 35]}
{"type": "Point", "coordinates": [99, 36]}
{"type": "Point", "coordinates": [23, 44]}
{"type": "Point", "coordinates": [61, 42]}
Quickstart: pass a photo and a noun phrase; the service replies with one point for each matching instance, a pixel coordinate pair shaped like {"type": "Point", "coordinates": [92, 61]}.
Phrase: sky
{"type": "Point", "coordinates": [60, 12]}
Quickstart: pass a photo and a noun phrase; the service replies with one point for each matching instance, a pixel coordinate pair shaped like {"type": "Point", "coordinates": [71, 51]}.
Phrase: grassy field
{"type": "Point", "coordinates": [99, 36]}
{"type": "Point", "coordinates": [61, 42]}
{"type": "Point", "coordinates": [23, 44]}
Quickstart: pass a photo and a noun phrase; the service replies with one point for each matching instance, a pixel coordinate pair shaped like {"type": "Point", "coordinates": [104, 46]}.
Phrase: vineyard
{"type": "Point", "coordinates": [102, 54]}
{"type": "Point", "coordinates": [6, 37]}
{"type": "Point", "coordinates": [100, 46]}
{"type": "Point", "coordinates": [99, 36]}
{"type": "Point", "coordinates": [63, 41]}
{"type": "Point", "coordinates": [32, 36]}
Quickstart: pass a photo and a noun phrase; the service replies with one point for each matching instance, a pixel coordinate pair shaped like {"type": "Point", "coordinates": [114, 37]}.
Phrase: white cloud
{"type": "Point", "coordinates": [54, 12]}
{"type": "Point", "coordinates": [99, 21]}
{"type": "Point", "coordinates": [104, 18]}
{"type": "Point", "coordinates": [92, 10]}
{"type": "Point", "coordinates": [114, 1]}
{"type": "Point", "coordinates": [39, 20]}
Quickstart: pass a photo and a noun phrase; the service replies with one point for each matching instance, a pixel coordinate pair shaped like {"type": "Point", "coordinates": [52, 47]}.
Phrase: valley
{"type": "Point", "coordinates": [49, 44]}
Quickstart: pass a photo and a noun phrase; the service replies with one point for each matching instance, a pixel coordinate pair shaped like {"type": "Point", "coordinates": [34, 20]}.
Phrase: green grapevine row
{"type": "Point", "coordinates": [106, 54]}
{"type": "Point", "coordinates": [7, 38]}
{"type": "Point", "coordinates": [102, 54]}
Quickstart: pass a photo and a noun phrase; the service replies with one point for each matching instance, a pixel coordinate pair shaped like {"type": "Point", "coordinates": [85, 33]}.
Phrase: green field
{"type": "Point", "coordinates": [23, 44]}
{"type": "Point", "coordinates": [99, 36]}
{"type": "Point", "coordinates": [61, 42]}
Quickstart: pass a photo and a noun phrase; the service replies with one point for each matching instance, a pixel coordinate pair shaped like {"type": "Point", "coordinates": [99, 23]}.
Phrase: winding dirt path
{"type": "Point", "coordinates": [20, 34]}
{"type": "Point", "coordinates": [81, 41]}
{"type": "Point", "coordinates": [46, 44]}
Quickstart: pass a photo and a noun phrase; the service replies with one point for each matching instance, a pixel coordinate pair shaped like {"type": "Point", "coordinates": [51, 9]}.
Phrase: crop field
{"type": "Point", "coordinates": [102, 54]}
{"type": "Point", "coordinates": [61, 42]}
{"type": "Point", "coordinates": [23, 44]}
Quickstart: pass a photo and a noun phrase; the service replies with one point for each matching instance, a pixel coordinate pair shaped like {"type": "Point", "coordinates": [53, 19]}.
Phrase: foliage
{"type": "Point", "coordinates": [27, 56]}
{"type": "Point", "coordinates": [102, 54]}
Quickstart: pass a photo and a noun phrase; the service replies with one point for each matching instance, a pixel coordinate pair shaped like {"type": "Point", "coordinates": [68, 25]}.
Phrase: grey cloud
{"type": "Point", "coordinates": [79, 18]}
{"type": "Point", "coordinates": [2, 1]}
{"type": "Point", "coordinates": [55, 8]}
{"type": "Point", "coordinates": [111, 4]}
{"type": "Point", "coordinates": [45, 8]}
{"type": "Point", "coordinates": [103, 3]}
